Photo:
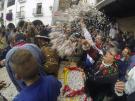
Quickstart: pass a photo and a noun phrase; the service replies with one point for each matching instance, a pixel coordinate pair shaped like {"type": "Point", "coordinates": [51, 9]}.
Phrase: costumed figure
{"type": "Point", "coordinates": [51, 58]}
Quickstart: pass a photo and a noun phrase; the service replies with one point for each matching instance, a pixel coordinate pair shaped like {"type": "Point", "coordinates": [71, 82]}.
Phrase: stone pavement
{"type": "Point", "coordinates": [10, 91]}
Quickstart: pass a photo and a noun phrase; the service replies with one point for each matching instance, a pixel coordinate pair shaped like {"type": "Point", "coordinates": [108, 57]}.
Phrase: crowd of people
{"type": "Point", "coordinates": [31, 56]}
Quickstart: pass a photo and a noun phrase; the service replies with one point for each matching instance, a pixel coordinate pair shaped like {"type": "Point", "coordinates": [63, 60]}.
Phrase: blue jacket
{"type": "Point", "coordinates": [47, 88]}
{"type": "Point", "coordinates": [35, 52]}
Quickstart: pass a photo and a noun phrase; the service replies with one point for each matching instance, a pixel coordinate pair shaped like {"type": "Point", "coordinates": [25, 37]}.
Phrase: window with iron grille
{"type": "Point", "coordinates": [10, 2]}
{"type": "Point", "coordinates": [39, 8]}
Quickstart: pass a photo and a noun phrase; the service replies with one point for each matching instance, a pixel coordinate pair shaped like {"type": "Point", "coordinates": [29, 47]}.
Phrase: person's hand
{"type": "Point", "coordinates": [2, 62]}
{"type": "Point", "coordinates": [2, 84]}
{"type": "Point", "coordinates": [120, 86]}
{"type": "Point", "coordinates": [84, 42]}
{"type": "Point", "coordinates": [82, 23]}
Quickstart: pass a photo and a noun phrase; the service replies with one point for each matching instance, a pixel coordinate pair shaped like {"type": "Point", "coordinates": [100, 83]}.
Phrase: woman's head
{"type": "Point", "coordinates": [11, 39]}
{"type": "Point", "coordinates": [126, 52]}
{"type": "Point", "coordinates": [98, 39]}
{"type": "Point", "coordinates": [14, 38]}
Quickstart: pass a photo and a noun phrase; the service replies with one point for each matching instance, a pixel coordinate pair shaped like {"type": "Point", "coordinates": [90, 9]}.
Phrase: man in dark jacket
{"type": "Point", "coordinates": [127, 87]}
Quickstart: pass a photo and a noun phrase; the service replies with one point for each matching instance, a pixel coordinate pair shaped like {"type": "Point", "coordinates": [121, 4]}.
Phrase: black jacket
{"type": "Point", "coordinates": [131, 97]}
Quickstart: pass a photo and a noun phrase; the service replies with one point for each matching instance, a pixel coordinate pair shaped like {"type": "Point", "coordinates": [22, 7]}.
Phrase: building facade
{"type": "Point", "coordinates": [62, 5]}
{"type": "Point", "coordinates": [14, 11]}
{"type": "Point", "coordinates": [44, 11]}
{"type": "Point", "coordinates": [122, 11]}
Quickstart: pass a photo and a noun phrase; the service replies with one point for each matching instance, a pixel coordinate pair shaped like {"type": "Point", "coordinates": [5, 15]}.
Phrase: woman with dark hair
{"type": "Point", "coordinates": [123, 62]}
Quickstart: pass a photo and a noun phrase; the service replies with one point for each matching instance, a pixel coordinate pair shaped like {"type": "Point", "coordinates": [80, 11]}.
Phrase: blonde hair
{"type": "Point", "coordinates": [24, 64]}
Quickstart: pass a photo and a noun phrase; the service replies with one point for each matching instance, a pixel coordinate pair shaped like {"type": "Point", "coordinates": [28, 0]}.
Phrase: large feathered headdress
{"type": "Point", "coordinates": [67, 41]}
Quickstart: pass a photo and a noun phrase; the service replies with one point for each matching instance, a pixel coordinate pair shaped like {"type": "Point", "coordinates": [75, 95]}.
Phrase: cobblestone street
{"type": "Point", "coordinates": [10, 91]}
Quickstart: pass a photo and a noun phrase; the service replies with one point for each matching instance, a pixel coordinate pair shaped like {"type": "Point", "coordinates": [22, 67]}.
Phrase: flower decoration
{"type": "Point", "coordinates": [74, 83]}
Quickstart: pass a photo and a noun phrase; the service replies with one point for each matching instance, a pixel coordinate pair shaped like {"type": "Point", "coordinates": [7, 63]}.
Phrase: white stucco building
{"type": "Point", "coordinates": [27, 10]}
{"type": "Point", "coordinates": [32, 10]}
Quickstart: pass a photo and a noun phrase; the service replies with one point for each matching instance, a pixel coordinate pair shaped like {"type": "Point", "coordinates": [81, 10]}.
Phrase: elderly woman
{"type": "Point", "coordinates": [102, 76]}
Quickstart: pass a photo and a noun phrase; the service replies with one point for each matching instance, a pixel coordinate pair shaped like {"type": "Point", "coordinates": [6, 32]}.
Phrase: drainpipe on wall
{"type": "Point", "coordinates": [15, 12]}
{"type": "Point", "coordinates": [54, 9]}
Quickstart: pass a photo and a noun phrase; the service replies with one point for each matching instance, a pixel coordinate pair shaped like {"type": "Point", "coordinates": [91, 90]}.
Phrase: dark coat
{"type": "Point", "coordinates": [131, 97]}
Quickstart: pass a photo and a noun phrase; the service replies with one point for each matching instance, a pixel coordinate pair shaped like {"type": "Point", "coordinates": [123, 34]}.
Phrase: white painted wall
{"type": "Point", "coordinates": [29, 6]}
{"type": "Point", "coordinates": [47, 13]}
{"type": "Point", "coordinates": [13, 8]}
{"type": "Point", "coordinates": [5, 11]}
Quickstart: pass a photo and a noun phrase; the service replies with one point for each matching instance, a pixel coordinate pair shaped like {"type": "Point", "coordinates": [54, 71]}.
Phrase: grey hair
{"type": "Point", "coordinates": [114, 49]}
{"type": "Point", "coordinates": [11, 37]}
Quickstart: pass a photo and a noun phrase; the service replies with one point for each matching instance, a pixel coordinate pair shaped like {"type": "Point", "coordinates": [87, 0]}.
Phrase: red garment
{"type": "Point", "coordinates": [99, 45]}
{"type": "Point", "coordinates": [20, 43]}
{"type": "Point", "coordinates": [133, 53]}
{"type": "Point", "coordinates": [93, 52]}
